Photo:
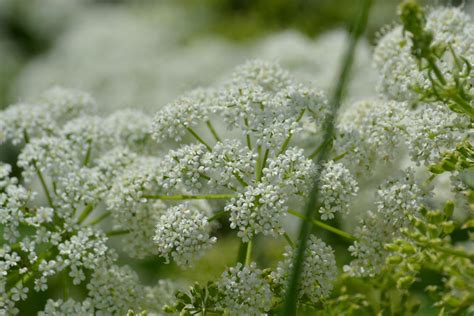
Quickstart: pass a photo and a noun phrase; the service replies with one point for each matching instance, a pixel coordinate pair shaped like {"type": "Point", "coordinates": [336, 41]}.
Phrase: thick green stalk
{"type": "Point", "coordinates": [360, 22]}
{"type": "Point", "coordinates": [248, 253]}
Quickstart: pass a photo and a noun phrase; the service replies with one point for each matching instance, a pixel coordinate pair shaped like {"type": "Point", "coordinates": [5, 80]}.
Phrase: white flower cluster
{"type": "Point", "coordinates": [112, 290]}
{"type": "Point", "coordinates": [44, 118]}
{"type": "Point", "coordinates": [369, 132]}
{"type": "Point", "coordinates": [244, 290]}
{"type": "Point", "coordinates": [337, 188]}
{"type": "Point", "coordinates": [183, 233]}
{"type": "Point", "coordinates": [396, 198]}
{"type": "Point", "coordinates": [257, 172]}
{"type": "Point", "coordinates": [400, 76]}
{"type": "Point", "coordinates": [70, 160]}
{"type": "Point", "coordinates": [246, 146]}
{"type": "Point", "coordinates": [318, 273]}
{"type": "Point", "coordinates": [433, 128]}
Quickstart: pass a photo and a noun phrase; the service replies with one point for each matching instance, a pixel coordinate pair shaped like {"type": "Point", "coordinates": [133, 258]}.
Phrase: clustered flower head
{"type": "Point", "coordinates": [400, 77]}
{"type": "Point", "coordinates": [183, 233]}
{"type": "Point", "coordinates": [396, 200]}
{"type": "Point", "coordinates": [69, 161]}
{"type": "Point", "coordinates": [238, 155]}
{"type": "Point", "coordinates": [244, 290]}
{"type": "Point", "coordinates": [318, 273]}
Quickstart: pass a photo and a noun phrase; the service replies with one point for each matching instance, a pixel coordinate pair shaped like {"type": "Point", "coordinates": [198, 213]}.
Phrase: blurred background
{"type": "Point", "coordinates": [144, 54]}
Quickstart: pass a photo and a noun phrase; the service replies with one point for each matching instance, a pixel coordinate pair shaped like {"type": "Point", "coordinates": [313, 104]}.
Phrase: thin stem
{"type": "Point", "coordinates": [198, 138]}
{"type": "Point", "coordinates": [43, 184]}
{"type": "Point", "coordinates": [324, 226]}
{"type": "Point", "coordinates": [289, 240]}
{"type": "Point", "coordinates": [466, 106]}
{"type": "Point", "coordinates": [117, 232]}
{"type": "Point", "coordinates": [285, 144]}
{"type": "Point", "coordinates": [217, 216]}
{"type": "Point", "coordinates": [100, 218]}
{"type": "Point", "coordinates": [39, 173]}
{"type": "Point", "coordinates": [265, 158]}
{"type": "Point", "coordinates": [189, 197]}
{"type": "Point", "coordinates": [454, 252]}
{"type": "Point", "coordinates": [87, 158]}
{"type": "Point", "coordinates": [258, 165]}
{"type": "Point", "coordinates": [436, 70]}
{"type": "Point", "coordinates": [248, 253]}
{"type": "Point", "coordinates": [239, 178]}
{"type": "Point", "coordinates": [85, 212]}
{"type": "Point", "coordinates": [322, 146]}
{"type": "Point", "coordinates": [213, 131]}
{"type": "Point", "coordinates": [360, 22]}
{"type": "Point", "coordinates": [247, 138]}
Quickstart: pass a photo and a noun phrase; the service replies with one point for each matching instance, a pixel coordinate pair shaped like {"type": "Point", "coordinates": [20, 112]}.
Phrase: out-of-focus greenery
{"type": "Point", "coordinates": [241, 19]}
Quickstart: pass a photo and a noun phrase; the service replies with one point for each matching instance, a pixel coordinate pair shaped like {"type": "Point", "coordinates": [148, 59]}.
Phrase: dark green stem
{"type": "Point", "coordinates": [324, 226]}
{"type": "Point", "coordinates": [85, 213]}
{"type": "Point", "coordinates": [213, 131]}
{"type": "Point", "coordinates": [189, 197]}
{"type": "Point", "coordinates": [360, 22]}
{"type": "Point", "coordinates": [198, 138]}
{"type": "Point", "coordinates": [217, 216]}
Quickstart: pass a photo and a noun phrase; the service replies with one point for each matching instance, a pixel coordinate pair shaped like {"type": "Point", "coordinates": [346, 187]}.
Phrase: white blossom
{"type": "Point", "coordinates": [319, 271]}
{"type": "Point", "coordinates": [182, 233]}
{"type": "Point", "coordinates": [244, 290]}
{"type": "Point", "coordinates": [337, 189]}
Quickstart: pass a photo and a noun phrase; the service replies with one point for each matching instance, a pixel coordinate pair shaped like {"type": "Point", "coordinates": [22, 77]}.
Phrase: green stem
{"type": "Point", "coordinates": [39, 173]}
{"type": "Point", "coordinates": [198, 138]}
{"type": "Point", "coordinates": [291, 298]}
{"type": "Point", "coordinates": [117, 232]}
{"type": "Point", "coordinates": [43, 184]}
{"type": "Point", "coordinates": [466, 106]}
{"type": "Point", "coordinates": [285, 144]}
{"type": "Point", "coordinates": [322, 146]}
{"type": "Point", "coordinates": [247, 138]}
{"type": "Point", "coordinates": [436, 70]}
{"type": "Point", "coordinates": [217, 216]}
{"type": "Point", "coordinates": [189, 197]}
{"type": "Point", "coordinates": [87, 158]}
{"type": "Point", "coordinates": [258, 165]}
{"type": "Point", "coordinates": [264, 161]}
{"type": "Point", "coordinates": [100, 218]}
{"type": "Point", "coordinates": [454, 252]}
{"type": "Point", "coordinates": [248, 253]}
{"type": "Point", "coordinates": [324, 226]}
{"type": "Point", "coordinates": [213, 131]}
{"type": "Point", "coordinates": [85, 212]}
{"type": "Point", "coordinates": [289, 240]}
{"type": "Point", "coordinates": [239, 178]}
{"type": "Point", "coordinates": [242, 252]}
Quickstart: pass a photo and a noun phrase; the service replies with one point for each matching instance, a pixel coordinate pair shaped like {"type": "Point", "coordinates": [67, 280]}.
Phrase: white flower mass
{"type": "Point", "coordinates": [100, 189]}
